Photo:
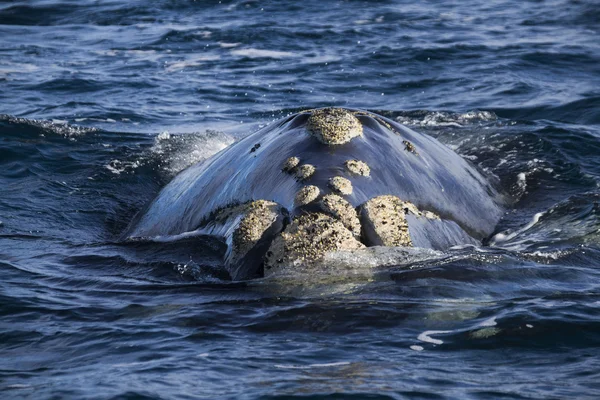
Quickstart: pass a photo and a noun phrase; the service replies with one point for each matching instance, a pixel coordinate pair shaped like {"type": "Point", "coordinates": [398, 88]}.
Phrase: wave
{"type": "Point", "coordinates": [584, 111]}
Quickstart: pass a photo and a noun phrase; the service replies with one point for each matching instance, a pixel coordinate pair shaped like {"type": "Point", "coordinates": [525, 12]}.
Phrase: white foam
{"type": "Point", "coordinates": [489, 322]}
{"type": "Point", "coordinates": [175, 238]}
{"type": "Point", "coordinates": [203, 34]}
{"type": "Point", "coordinates": [163, 136]}
{"type": "Point", "coordinates": [440, 118]}
{"type": "Point", "coordinates": [59, 127]}
{"type": "Point", "coordinates": [505, 236]}
{"type": "Point", "coordinates": [416, 347]}
{"type": "Point", "coordinates": [311, 366]}
{"type": "Point", "coordinates": [226, 45]}
{"type": "Point", "coordinates": [18, 386]}
{"type": "Point", "coordinates": [191, 62]}
{"type": "Point", "coordinates": [117, 166]}
{"type": "Point", "coordinates": [379, 256]}
{"type": "Point", "coordinates": [553, 255]}
{"type": "Point", "coordinates": [141, 52]}
{"type": "Point", "coordinates": [521, 179]}
{"type": "Point", "coordinates": [178, 152]}
{"type": "Point", "coordinates": [426, 336]}
{"type": "Point", "coordinates": [321, 59]}
{"type": "Point", "coordinates": [7, 68]}
{"type": "Point", "coordinates": [260, 53]}
{"type": "Point", "coordinates": [352, 265]}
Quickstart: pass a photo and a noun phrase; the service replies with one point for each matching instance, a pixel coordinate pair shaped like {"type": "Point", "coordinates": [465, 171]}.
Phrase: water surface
{"type": "Point", "coordinates": [104, 102]}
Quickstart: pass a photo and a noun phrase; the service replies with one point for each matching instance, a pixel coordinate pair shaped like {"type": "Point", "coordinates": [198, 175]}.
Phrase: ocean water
{"type": "Point", "coordinates": [103, 102]}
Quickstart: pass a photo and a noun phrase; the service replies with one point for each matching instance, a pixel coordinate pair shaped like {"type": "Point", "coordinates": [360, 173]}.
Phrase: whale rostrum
{"type": "Point", "coordinates": [325, 180]}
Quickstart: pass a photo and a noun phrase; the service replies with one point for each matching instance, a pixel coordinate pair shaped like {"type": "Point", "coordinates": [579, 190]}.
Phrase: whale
{"type": "Point", "coordinates": [319, 181]}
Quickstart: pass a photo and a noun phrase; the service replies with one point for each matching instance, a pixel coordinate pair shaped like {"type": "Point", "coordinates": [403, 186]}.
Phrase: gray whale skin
{"type": "Point", "coordinates": [319, 181]}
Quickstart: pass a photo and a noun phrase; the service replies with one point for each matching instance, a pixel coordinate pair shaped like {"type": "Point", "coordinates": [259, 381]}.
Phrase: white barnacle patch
{"type": "Point", "coordinates": [358, 167]}
{"type": "Point", "coordinates": [340, 185]}
{"type": "Point", "coordinates": [306, 240]}
{"type": "Point", "coordinates": [305, 171]}
{"type": "Point", "coordinates": [334, 126]}
{"type": "Point", "coordinates": [384, 221]}
{"type": "Point", "coordinates": [290, 164]}
{"type": "Point", "coordinates": [410, 208]}
{"type": "Point", "coordinates": [307, 195]}
{"type": "Point", "coordinates": [429, 215]}
{"type": "Point", "coordinates": [342, 210]}
{"type": "Point", "coordinates": [260, 215]}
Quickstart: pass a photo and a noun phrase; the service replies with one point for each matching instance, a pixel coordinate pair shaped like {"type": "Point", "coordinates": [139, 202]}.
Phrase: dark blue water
{"type": "Point", "coordinates": [104, 102]}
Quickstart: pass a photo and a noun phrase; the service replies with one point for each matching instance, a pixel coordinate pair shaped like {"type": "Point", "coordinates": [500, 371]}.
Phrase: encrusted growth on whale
{"type": "Point", "coordinates": [340, 209]}
{"type": "Point", "coordinates": [334, 126]}
{"type": "Point", "coordinates": [248, 229]}
{"type": "Point", "coordinates": [306, 195]}
{"type": "Point", "coordinates": [306, 240]}
{"type": "Point", "coordinates": [358, 167]}
{"type": "Point", "coordinates": [340, 185]}
{"type": "Point", "coordinates": [290, 164]}
{"type": "Point", "coordinates": [305, 171]}
{"type": "Point", "coordinates": [384, 222]}
{"type": "Point", "coordinates": [260, 216]}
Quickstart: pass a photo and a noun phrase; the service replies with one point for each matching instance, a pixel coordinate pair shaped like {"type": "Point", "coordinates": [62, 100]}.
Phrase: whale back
{"type": "Point", "coordinates": [410, 165]}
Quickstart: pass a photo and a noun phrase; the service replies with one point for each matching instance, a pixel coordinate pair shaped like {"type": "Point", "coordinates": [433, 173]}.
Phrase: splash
{"type": "Point", "coordinates": [55, 126]}
{"type": "Point", "coordinates": [443, 118]}
{"type": "Point", "coordinates": [174, 153]}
